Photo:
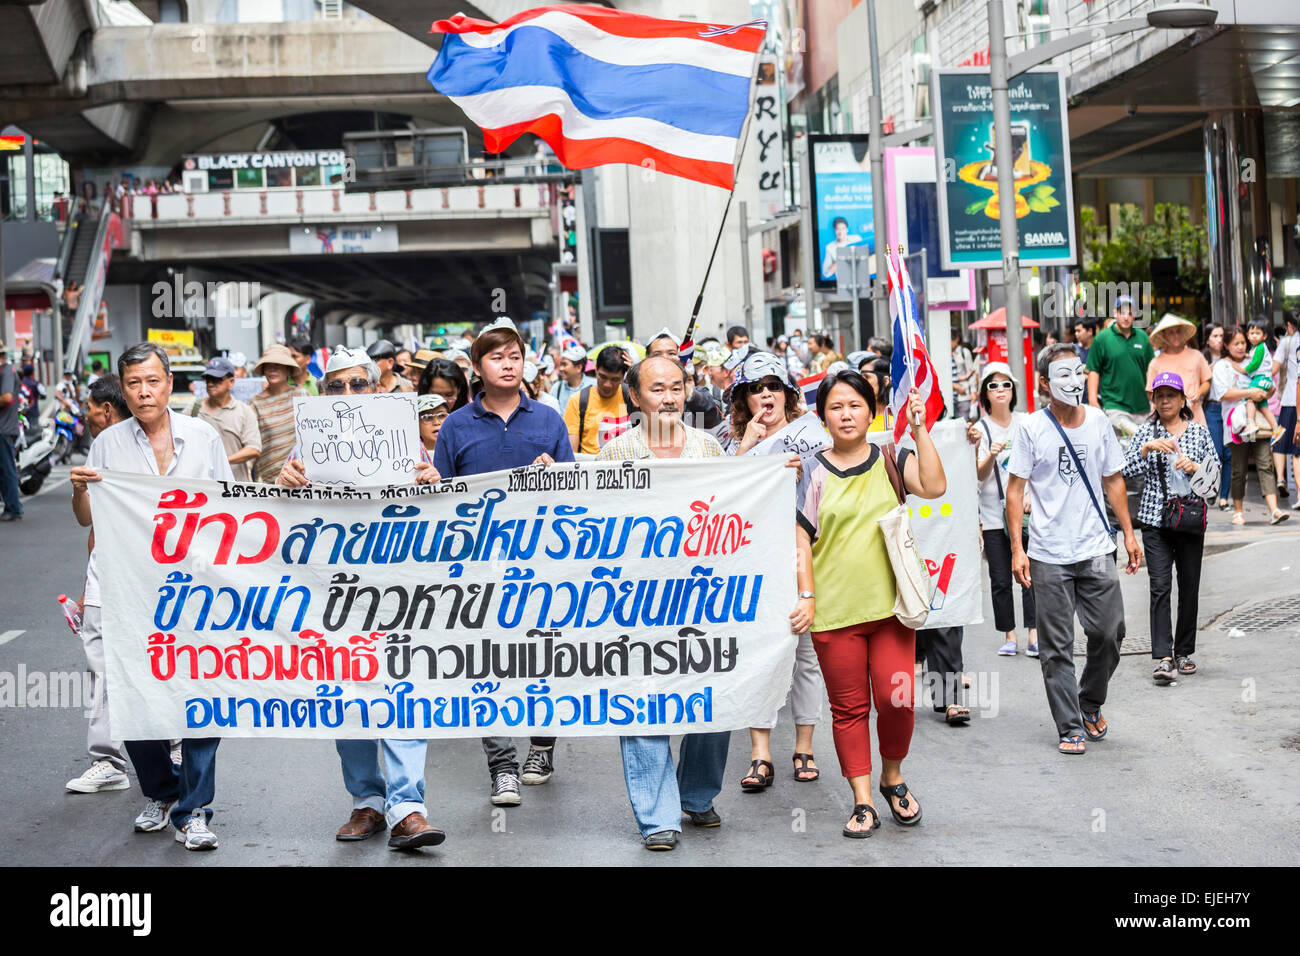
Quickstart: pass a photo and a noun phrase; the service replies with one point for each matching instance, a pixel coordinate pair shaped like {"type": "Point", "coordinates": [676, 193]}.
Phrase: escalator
{"type": "Point", "coordinates": [84, 255]}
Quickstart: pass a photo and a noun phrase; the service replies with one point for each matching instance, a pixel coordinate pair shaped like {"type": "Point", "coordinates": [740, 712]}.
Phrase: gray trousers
{"type": "Point", "coordinates": [502, 756]}
{"type": "Point", "coordinates": [1090, 588]}
{"type": "Point", "coordinates": [806, 687]}
{"type": "Point", "coordinates": [99, 742]}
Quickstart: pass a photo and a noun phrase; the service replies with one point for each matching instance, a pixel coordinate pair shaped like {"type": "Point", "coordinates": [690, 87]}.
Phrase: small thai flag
{"type": "Point", "coordinates": [604, 86]}
{"type": "Point", "coordinates": [319, 359]}
{"type": "Point", "coordinates": [910, 363]}
{"type": "Point", "coordinates": [809, 386]}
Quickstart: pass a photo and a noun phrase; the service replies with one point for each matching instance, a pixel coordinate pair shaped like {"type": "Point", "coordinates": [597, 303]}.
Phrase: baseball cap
{"type": "Point", "coordinates": [427, 403]}
{"type": "Point", "coordinates": [576, 354]}
{"type": "Point", "coordinates": [344, 357]}
{"type": "Point", "coordinates": [1168, 380]}
{"type": "Point", "coordinates": [219, 367]}
{"type": "Point", "coordinates": [1124, 300]}
{"type": "Point", "coordinates": [996, 368]}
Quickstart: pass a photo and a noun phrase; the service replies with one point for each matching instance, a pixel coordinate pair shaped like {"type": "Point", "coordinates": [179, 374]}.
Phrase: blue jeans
{"type": "Point", "coordinates": [658, 795]}
{"type": "Point", "coordinates": [1214, 421]}
{"type": "Point", "coordinates": [399, 792]}
{"type": "Point", "coordinates": [9, 475]}
{"type": "Point", "coordinates": [192, 786]}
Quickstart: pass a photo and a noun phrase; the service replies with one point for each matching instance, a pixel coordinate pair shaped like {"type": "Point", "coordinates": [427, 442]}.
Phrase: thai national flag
{"type": "Point", "coordinates": [603, 86]}
{"type": "Point", "coordinates": [809, 387]}
{"type": "Point", "coordinates": [316, 364]}
{"type": "Point", "coordinates": [910, 364]}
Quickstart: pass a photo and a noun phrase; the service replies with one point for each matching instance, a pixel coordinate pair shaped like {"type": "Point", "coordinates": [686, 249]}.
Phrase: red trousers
{"type": "Point", "coordinates": [876, 657]}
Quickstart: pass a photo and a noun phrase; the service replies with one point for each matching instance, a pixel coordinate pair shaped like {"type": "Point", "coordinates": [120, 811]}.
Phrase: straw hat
{"type": "Point", "coordinates": [1171, 324]}
{"type": "Point", "coordinates": [275, 355]}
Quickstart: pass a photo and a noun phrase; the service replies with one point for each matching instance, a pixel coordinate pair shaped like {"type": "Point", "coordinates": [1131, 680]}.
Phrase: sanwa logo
{"type": "Point", "coordinates": [1044, 239]}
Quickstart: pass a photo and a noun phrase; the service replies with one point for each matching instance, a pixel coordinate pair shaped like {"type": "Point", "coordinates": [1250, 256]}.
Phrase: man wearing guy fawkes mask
{"type": "Point", "coordinates": [1068, 457]}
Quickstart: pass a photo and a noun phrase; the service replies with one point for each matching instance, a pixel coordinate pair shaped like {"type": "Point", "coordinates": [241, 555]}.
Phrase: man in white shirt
{"type": "Point", "coordinates": [1066, 454]}
{"type": "Point", "coordinates": [155, 441]}
{"type": "Point", "coordinates": [1286, 371]}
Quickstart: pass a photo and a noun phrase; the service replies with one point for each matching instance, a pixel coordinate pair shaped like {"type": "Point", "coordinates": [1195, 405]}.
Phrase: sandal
{"type": "Point", "coordinates": [899, 792]}
{"type": "Point", "coordinates": [860, 812]}
{"type": "Point", "coordinates": [1238, 518]}
{"type": "Point", "coordinates": [1279, 516]}
{"type": "Point", "coordinates": [1094, 719]}
{"type": "Point", "coordinates": [1164, 672]}
{"type": "Point", "coordinates": [956, 715]}
{"type": "Point", "coordinates": [1070, 746]}
{"type": "Point", "coordinates": [755, 772]}
{"type": "Point", "coordinates": [1186, 665]}
{"type": "Point", "coordinates": [801, 762]}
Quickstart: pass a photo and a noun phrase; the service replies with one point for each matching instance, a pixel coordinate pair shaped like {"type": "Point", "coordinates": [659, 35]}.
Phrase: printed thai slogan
{"type": "Point", "coordinates": [579, 599]}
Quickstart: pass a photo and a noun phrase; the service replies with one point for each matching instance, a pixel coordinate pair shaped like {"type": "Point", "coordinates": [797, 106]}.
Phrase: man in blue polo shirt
{"type": "Point", "coordinates": [503, 428]}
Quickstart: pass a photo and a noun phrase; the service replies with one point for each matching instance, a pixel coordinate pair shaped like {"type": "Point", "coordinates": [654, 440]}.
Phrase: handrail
{"type": "Point", "coordinates": [92, 291]}
{"type": "Point", "coordinates": [67, 243]}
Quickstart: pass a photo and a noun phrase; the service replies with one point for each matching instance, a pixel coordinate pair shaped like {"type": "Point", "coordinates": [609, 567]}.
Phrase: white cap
{"type": "Point", "coordinates": [547, 363]}
{"type": "Point", "coordinates": [665, 331]}
{"type": "Point", "coordinates": [238, 358]}
{"type": "Point", "coordinates": [503, 322]}
{"type": "Point", "coordinates": [855, 359]}
{"type": "Point", "coordinates": [427, 403]}
{"type": "Point", "coordinates": [575, 354]}
{"type": "Point", "coordinates": [344, 357]}
{"type": "Point", "coordinates": [996, 368]}
{"type": "Point", "coordinates": [454, 354]}
{"type": "Point", "coordinates": [737, 356]}
{"type": "Point", "coordinates": [836, 367]}
{"type": "Point", "coordinates": [530, 372]}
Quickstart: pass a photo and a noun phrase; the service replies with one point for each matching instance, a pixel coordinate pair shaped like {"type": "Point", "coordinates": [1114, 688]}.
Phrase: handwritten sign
{"type": "Point", "coordinates": [802, 436]}
{"type": "Point", "coordinates": [580, 599]}
{"type": "Point", "coordinates": [358, 439]}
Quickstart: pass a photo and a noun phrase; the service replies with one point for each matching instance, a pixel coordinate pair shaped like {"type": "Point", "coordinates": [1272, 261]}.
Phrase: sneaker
{"type": "Point", "coordinates": [538, 766]}
{"type": "Point", "coordinates": [505, 789]}
{"type": "Point", "coordinates": [1031, 650]}
{"type": "Point", "coordinates": [1008, 649]}
{"type": "Point", "coordinates": [153, 817]}
{"type": "Point", "coordinates": [176, 753]}
{"type": "Point", "coordinates": [195, 834]}
{"type": "Point", "coordinates": [102, 775]}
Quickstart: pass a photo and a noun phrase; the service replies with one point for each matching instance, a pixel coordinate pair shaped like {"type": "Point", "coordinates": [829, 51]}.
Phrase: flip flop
{"type": "Point", "coordinates": [1093, 719]}
{"type": "Point", "coordinates": [860, 812]}
{"type": "Point", "coordinates": [1072, 741]}
{"type": "Point", "coordinates": [956, 720]}
{"type": "Point", "coordinates": [899, 792]}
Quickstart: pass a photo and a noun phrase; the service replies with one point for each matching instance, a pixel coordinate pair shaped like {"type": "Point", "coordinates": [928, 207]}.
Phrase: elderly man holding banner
{"type": "Point", "coordinates": [659, 796]}
{"type": "Point", "coordinates": [394, 792]}
{"type": "Point", "coordinates": [156, 441]}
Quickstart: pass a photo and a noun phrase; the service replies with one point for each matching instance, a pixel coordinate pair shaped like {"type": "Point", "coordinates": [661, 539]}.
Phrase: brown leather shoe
{"type": "Point", "coordinates": [361, 824]}
{"type": "Point", "coordinates": [414, 831]}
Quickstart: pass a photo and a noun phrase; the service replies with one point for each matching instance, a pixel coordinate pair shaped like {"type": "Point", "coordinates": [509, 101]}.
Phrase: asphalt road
{"type": "Point", "coordinates": [1201, 773]}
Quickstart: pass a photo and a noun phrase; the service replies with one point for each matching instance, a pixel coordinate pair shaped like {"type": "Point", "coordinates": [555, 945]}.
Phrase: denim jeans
{"type": "Point", "coordinates": [399, 791]}
{"type": "Point", "coordinates": [658, 795]}
{"type": "Point", "coordinates": [9, 475]}
{"type": "Point", "coordinates": [192, 786]}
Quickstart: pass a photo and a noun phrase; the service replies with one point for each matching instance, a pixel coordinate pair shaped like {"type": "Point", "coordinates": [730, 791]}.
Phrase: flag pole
{"type": "Point", "coordinates": [740, 155]}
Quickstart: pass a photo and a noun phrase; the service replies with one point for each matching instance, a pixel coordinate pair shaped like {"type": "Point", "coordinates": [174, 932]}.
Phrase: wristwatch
{"type": "Point", "coordinates": [805, 594]}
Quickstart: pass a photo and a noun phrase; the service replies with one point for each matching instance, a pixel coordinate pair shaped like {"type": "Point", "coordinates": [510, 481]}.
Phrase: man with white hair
{"type": "Point", "coordinates": [393, 792]}
{"type": "Point", "coordinates": [573, 377]}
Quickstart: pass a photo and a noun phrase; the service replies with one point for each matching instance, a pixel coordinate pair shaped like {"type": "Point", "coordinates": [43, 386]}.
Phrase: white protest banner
{"type": "Point", "coordinates": [947, 530]}
{"type": "Point", "coordinates": [802, 436]}
{"type": "Point", "coordinates": [358, 439]}
{"type": "Point", "coordinates": [579, 599]}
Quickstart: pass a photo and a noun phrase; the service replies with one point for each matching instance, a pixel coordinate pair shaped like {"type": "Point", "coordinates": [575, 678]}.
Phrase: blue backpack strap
{"type": "Point", "coordinates": [1083, 475]}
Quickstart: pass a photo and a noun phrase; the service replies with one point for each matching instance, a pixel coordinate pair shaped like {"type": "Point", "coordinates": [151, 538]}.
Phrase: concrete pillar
{"type": "Point", "coordinates": [1237, 216]}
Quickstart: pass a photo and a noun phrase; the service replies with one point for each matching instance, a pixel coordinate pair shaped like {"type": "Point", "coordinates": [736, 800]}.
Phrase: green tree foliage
{"type": "Point", "coordinates": [1126, 255]}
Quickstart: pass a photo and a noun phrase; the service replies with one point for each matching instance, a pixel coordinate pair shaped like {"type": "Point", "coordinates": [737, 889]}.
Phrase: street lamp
{"type": "Point", "coordinates": [1182, 16]}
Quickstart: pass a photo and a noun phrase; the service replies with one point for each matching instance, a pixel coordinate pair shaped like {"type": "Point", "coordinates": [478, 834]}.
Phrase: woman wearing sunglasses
{"type": "Point", "coordinates": [433, 411]}
{"type": "Point", "coordinates": [762, 403]}
{"type": "Point", "coordinates": [997, 396]}
{"type": "Point", "coordinates": [847, 589]}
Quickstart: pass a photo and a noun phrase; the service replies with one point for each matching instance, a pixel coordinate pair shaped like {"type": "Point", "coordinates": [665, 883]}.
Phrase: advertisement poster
{"type": "Point", "coordinates": [967, 164]}
{"type": "Point", "coordinates": [842, 213]}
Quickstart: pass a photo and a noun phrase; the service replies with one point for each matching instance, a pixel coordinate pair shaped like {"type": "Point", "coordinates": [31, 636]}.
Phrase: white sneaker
{"type": "Point", "coordinates": [153, 817]}
{"type": "Point", "coordinates": [176, 752]}
{"type": "Point", "coordinates": [505, 790]}
{"type": "Point", "coordinates": [102, 775]}
{"type": "Point", "coordinates": [196, 835]}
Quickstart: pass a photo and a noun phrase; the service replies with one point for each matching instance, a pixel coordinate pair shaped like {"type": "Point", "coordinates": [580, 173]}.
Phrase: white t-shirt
{"type": "Point", "coordinates": [991, 502]}
{"type": "Point", "coordinates": [1064, 526]}
{"type": "Point", "coordinates": [1224, 376]}
{"type": "Point", "coordinates": [1288, 353]}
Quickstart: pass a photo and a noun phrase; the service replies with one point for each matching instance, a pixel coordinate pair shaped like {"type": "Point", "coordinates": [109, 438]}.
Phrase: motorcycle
{"type": "Point", "coordinates": [69, 430]}
{"type": "Point", "coordinates": [35, 453]}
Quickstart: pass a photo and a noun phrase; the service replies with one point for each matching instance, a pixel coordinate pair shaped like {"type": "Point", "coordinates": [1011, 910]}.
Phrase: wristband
{"type": "Point", "coordinates": [805, 594]}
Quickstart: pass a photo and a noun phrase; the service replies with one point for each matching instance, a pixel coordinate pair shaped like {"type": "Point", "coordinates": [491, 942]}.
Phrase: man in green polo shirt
{"type": "Point", "coordinates": [1117, 370]}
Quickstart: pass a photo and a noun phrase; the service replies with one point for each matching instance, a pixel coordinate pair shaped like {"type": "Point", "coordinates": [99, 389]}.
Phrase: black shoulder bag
{"type": "Point", "coordinates": [1183, 513]}
{"type": "Point", "coordinates": [997, 476]}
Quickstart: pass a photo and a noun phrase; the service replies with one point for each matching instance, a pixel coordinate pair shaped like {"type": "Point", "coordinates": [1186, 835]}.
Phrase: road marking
{"type": "Point", "coordinates": [50, 487]}
{"type": "Point", "coordinates": [8, 636]}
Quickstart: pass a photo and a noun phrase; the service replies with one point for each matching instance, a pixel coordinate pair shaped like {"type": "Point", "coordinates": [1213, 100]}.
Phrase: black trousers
{"type": "Point", "coordinates": [998, 551]}
{"type": "Point", "coordinates": [941, 650]}
{"type": "Point", "coordinates": [1167, 551]}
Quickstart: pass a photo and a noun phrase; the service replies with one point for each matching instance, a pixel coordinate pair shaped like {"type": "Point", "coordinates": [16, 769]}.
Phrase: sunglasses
{"type": "Point", "coordinates": [998, 386]}
{"type": "Point", "coordinates": [758, 388]}
{"type": "Point", "coordinates": [355, 385]}
{"type": "Point", "coordinates": [432, 416]}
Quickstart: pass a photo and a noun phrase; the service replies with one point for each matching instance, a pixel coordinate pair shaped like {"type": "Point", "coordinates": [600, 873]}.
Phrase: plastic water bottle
{"type": "Point", "coordinates": [71, 613]}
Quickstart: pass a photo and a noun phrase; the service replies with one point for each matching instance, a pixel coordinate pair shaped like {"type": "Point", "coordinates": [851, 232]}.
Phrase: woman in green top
{"type": "Point", "coordinates": [861, 646]}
